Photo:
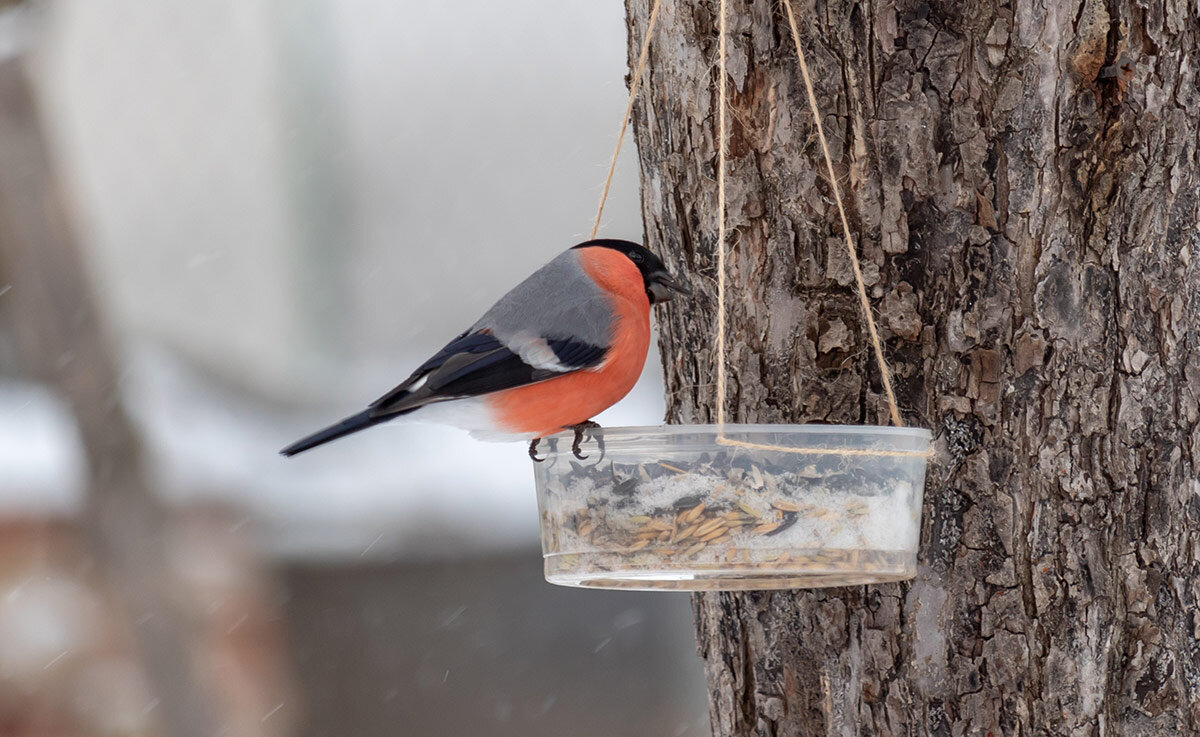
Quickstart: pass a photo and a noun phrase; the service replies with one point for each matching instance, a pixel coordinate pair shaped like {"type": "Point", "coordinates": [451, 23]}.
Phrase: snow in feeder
{"type": "Point", "coordinates": [674, 508]}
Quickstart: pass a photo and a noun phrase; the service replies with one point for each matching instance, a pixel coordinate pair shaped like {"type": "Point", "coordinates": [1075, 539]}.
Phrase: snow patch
{"type": "Point", "coordinates": [41, 458]}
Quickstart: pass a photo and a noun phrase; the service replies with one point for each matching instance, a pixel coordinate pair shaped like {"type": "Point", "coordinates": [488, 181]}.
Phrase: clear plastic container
{"type": "Point", "coordinates": [671, 508]}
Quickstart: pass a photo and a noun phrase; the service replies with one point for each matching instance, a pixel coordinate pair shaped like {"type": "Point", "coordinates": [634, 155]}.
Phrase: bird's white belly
{"type": "Point", "coordinates": [471, 414]}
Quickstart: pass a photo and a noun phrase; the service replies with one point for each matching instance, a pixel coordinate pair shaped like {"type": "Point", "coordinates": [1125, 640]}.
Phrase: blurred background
{"type": "Point", "coordinates": [280, 207]}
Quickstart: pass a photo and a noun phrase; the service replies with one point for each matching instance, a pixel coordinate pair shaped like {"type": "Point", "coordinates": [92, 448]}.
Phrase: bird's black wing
{"type": "Point", "coordinates": [479, 363]}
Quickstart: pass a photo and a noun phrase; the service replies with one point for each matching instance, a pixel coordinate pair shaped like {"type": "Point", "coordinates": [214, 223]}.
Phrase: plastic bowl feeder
{"type": "Point", "coordinates": [671, 508]}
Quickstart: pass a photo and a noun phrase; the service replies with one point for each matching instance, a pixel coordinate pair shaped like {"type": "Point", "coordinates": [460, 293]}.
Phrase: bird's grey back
{"type": "Point", "coordinates": [558, 300]}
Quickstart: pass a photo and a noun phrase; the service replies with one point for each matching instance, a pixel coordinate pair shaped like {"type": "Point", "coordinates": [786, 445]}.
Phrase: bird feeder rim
{"type": "Point", "coordinates": [758, 428]}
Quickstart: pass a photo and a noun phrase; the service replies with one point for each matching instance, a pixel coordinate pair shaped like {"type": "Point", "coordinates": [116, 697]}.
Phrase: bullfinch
{"type": "Point", "coordinates": [565, 344]}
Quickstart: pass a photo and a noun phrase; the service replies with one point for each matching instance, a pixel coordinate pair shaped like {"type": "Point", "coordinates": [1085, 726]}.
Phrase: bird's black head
{"type": "Point", "coordinates": [659, 282]}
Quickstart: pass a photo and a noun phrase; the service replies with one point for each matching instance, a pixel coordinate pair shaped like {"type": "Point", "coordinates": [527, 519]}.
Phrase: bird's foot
{"type": "Point", "coordinates": [533, 451]}
{"type": "Point", "coordinates": [584, 430]}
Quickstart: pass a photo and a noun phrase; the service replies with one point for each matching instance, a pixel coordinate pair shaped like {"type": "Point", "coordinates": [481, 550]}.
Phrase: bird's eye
{"type": "Point", "coordinates": [635, 257]}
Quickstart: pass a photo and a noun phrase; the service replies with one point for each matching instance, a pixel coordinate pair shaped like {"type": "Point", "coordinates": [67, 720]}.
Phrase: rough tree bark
{"type": "Point", "coordinates": [1024, 181]}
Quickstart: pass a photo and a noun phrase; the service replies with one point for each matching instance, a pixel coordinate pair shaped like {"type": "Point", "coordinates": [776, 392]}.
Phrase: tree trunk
{"type": "Point", "coordinates": [1023, 181]}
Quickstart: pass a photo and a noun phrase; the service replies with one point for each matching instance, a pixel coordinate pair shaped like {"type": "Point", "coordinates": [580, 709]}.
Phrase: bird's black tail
{"type": "Point", "coordinates": [351, 424]}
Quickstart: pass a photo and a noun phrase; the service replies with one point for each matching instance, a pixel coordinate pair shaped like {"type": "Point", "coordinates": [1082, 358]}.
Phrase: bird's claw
{"type": "Point", "coordinates": [533, 451]}
{"type": "Point", "coordinates": [584, 430]}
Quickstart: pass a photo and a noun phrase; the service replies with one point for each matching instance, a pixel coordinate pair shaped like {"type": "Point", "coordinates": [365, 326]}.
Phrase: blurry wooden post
{"type": "Point", "coordinates": [1024, 183]}
{"type": "Point", "coordinates": [62, 340]}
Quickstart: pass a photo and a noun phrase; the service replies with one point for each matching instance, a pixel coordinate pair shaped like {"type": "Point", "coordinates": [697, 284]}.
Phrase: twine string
{"type": "Point", "coordinates": [864, 303]}
{"type": "Point", "coordinates": [722, 149]}
{"type": "Point", "coordinates": [633, 90]}
{"type": "Point", "coordinates": [722, 142]}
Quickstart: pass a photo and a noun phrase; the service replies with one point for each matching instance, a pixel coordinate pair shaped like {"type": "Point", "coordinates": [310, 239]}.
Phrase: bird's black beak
{"type": "Point", "coordinates": [661, 285]}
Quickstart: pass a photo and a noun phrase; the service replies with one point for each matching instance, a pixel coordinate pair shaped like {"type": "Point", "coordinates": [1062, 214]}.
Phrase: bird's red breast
{"type": "Point", "coordinates": [547, 407]}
